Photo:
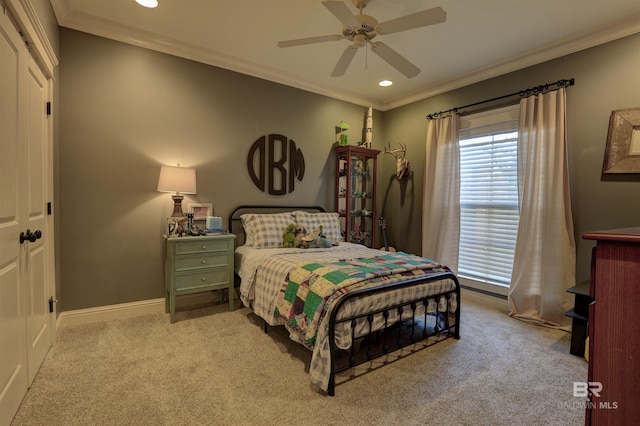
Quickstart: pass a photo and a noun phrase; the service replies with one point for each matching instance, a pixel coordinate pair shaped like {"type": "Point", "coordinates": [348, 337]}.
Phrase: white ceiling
{"type": "Point", "coordinates": [480, 39]}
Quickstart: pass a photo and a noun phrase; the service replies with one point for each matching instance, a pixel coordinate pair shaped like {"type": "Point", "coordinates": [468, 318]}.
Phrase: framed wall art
{"type": "Point", "coordinates": [622, 153]}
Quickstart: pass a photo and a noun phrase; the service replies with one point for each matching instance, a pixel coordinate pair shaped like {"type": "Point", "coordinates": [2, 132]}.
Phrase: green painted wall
{"type": "Point", "coordinates": [606, 79]}
{"type": "Point", "coordinates": [125, 110]}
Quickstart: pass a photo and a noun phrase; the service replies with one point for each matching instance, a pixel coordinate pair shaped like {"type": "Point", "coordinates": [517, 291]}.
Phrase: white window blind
{"type": "Point", "coordinates": [489, 213]}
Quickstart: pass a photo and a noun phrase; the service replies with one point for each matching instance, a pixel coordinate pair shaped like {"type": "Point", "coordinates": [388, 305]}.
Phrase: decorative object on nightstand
{"type": "Point", "coordinates": [198, 264]}
{"type": "Point", "coordinates": [180, 180]}
{"type": "Point", "coordinates": [356, 193]}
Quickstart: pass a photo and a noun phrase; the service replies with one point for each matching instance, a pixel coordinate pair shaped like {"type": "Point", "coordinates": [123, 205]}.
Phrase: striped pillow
{"type": "Point", "coordinates": [330, 222]}
{"type": "Point", "coordinates": [265, 230]}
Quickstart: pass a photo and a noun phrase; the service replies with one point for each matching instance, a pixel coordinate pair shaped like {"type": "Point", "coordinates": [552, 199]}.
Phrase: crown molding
{"type": "Point", "coordinates": [606, 33]}
{"type": "Point", "coordinates": [126, 34]}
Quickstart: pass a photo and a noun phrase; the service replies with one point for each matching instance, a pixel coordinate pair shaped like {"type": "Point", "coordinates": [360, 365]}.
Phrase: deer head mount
{"type": "Point", "coordinates": [402, 164]}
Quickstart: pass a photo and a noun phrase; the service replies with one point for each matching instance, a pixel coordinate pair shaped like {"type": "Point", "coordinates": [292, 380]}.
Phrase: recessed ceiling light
{"type": "Point", "coordinates": [148, 3]}
{"type": "Point", "coordinates": [385, 83]}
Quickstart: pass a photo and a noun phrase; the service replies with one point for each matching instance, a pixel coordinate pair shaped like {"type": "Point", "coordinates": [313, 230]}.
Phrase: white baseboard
{"type": "Point", "coordinates": [156, 306]}
{"type": "Point", "coordinates": [484, 299]}
{"type": "Point", "coordinates": [110, 312]}
{"type": "Point", "coordinates": [131, 309]}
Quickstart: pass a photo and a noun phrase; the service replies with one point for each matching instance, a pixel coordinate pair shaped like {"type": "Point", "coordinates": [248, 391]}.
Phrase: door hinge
{"type": "Point", "coordinates": [48, 108]}
{"type": "Point", "coordinates": [51, 302]}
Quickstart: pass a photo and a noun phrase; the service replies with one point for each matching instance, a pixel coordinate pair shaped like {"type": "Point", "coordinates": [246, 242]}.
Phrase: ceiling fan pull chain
{"type": "Point", "coordinates": [366, 57]}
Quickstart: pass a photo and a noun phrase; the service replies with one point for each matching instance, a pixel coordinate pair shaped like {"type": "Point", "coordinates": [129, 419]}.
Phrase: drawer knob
{"type": "Point", "coordinates": [204, 261]}
{"type": "Point", "coordinates": [204, 278]}
{"type": "Point", "coordinates": [204, 247]}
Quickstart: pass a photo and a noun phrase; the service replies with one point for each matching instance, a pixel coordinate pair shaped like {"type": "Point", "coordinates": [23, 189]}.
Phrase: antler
{"type": "Point", "coordinates": [395, 152]}
{"type": "Point", "coordinates": [402, 164]}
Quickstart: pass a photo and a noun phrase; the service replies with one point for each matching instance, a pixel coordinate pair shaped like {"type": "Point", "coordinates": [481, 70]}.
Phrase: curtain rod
{"type": "Point", "coordinates": [521, 93]}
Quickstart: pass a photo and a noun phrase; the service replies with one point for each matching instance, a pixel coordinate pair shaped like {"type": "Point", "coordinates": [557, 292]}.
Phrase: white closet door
{"type": "Point", "coordinates": [13, 357]}
{"type": "Point", "coordinates": [26, 282]}
{"type": "Point", "coordinates": [37, 282]}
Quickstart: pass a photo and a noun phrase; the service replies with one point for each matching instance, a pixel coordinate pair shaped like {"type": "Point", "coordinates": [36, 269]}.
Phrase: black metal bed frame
{"type": "Point", "coordinates": [378, 343]}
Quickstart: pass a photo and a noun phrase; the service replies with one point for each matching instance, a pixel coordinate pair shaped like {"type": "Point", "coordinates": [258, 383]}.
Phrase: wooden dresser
{"type": "Point", "coordinates": [614, 328]}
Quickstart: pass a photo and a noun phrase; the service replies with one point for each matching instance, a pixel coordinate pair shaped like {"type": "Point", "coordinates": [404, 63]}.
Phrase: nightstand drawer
{"type": "Point", "coordinates": [203, 246]}
{"type": "Point", "coordinates": [196, 280]}
{"type": "Point", "coordinates": [185, 263]}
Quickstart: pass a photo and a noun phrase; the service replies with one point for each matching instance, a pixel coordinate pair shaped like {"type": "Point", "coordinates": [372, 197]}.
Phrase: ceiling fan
{"type": "Point", "coordinates": [361, 29]}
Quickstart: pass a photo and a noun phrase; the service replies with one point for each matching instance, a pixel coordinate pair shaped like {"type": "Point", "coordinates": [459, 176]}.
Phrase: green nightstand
{"type": "Point", "coordinates": [197, 264]}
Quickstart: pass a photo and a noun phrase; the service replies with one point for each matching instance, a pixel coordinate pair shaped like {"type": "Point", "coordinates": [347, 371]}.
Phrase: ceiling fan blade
{"type": "Point", "coordinates": [341, 11]}
{"type": "Point", "coordinates": [395, 59]}
{"type": "Point", "coordinates": [309, 40]}
{"type": "Point", "coordinates": [415, 20]}
{"type": "Point", "coordinates": [344, 61]}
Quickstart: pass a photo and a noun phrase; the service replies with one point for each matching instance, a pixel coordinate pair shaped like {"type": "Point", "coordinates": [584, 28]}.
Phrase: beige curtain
{"type": "Point", "coordinates": [441, 199]}
{"type": "Point", "coordinates": [544, 264]}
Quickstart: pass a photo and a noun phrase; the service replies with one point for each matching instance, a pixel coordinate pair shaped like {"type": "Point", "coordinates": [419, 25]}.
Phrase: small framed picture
{"type": "Point", "coordinates": [177, 227]}
{"type": "Point", "coordinates": [200, 210]}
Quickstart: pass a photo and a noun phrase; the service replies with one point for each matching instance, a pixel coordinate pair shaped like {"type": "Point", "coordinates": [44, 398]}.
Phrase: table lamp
{"type": "Point", "coordinates": [180, 180]}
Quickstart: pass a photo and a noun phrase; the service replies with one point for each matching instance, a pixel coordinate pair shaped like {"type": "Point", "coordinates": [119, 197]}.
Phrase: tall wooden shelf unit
{"type": "Point", "coordinates": [614, 331]}
{"type": "Point", "coordinates": [356, 193]}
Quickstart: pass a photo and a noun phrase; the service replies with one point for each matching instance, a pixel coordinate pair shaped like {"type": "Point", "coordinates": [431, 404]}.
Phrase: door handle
{"type": "Point", "coordinates": [30, 236]}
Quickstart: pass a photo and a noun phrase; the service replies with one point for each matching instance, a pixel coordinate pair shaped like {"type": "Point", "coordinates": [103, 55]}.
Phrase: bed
{"type": "Point", "coordinates": [348, 304]}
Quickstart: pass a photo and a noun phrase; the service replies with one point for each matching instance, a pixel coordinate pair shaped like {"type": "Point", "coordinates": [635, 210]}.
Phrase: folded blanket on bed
{"type": "Point", "coordinates": [309, 288]}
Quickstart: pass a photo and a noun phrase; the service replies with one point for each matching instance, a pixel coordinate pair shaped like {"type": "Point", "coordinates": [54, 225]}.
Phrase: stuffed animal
{"type": "Point", "coordinates": [315, 240]}
{"type": "Point", "coordinates": [319, 242]}
{"type": "Point", "coordinates": [300, 232]}
{"type": "Point", "coordinates": [289, 237]}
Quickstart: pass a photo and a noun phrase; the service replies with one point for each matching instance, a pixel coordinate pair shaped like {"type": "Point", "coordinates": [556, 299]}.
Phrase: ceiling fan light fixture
{"type": "Point", "coordinates": [385, 83]}
{"type": "Point", "coordinates": [359, 41]}
{"type": "Point", "coordinates": [148, 3]}
{"type": "Point", "coordinates": [361, 29]}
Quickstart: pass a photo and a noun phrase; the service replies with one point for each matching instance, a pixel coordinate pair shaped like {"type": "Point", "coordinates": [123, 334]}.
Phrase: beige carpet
{"type": "Point", "coordinates": [215, 367]}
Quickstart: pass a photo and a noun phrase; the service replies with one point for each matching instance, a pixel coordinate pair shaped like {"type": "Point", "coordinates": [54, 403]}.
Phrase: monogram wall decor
{"type": "Point", "coordinates": [276, 164]}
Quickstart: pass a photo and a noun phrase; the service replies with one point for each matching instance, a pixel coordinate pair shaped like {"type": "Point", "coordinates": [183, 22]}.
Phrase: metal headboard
{"type": "Point", "coordinates": [235, 223]}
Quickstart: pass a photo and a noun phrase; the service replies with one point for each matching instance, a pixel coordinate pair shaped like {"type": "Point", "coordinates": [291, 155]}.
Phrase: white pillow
{"type": "Point", "coordinates": [265, 230]}
{"type": "Point", "coordinates": [330, 222]}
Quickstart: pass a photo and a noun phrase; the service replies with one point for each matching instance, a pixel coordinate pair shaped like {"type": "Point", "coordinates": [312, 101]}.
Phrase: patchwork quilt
{"type": "Point", "coordinates": [310, 287]}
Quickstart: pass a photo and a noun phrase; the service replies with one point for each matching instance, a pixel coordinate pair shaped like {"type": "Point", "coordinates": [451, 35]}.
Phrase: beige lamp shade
{"type": "Point", "coordinates": [181, 180]}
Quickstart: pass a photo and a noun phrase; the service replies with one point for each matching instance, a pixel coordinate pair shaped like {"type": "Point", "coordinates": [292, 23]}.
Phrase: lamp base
{"type": "Point", "coordinates": [177, 205]}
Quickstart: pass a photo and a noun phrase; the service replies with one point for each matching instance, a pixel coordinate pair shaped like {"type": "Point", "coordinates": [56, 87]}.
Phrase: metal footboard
{"type": "Point", "coordinates": [430, 326]}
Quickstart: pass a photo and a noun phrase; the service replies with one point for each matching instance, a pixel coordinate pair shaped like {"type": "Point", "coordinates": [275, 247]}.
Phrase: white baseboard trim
{"type": "Point", "coordinates": [131, 309]}
{"type": "Point", "coordinates": [110, 312]}
{"type": "Point", "coordinates": [484, 299]}
{"type": "Point", "coordinates": [156, 306]}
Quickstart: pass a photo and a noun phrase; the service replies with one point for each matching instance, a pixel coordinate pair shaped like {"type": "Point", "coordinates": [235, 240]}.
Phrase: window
{"type": "Point", "coordinates": [489, 213]}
